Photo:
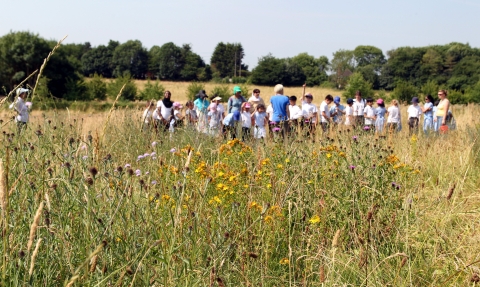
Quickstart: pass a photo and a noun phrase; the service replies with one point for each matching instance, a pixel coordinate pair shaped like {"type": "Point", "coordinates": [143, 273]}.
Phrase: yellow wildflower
{"type": "Point", "coordinates": [315, 219]}
{"type": "Point", "coordinates": [287, 160]}
{"type": "Point", "coordinates": [280, 166]}
{"type": "Point", "coordinates": [268, 219]}
{"type": "Point", "coordinates": [284, 261]}
{"type": "Point", "coordinates": [329, 155]}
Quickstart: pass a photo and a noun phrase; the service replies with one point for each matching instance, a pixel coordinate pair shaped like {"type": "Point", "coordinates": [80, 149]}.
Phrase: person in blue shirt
{"type": "Point", "coordinates": [337, 112]}
{"type": "Point", "coordinates": [281, 113]}
{"type": "Point", "coordinates": [201, 105]}
{"type": "Point", "coordinates": [235, 102]}
{"type": "Point", "coordinates": [230, 125]}
{"type": "Point", "coordinates": [427, 110]}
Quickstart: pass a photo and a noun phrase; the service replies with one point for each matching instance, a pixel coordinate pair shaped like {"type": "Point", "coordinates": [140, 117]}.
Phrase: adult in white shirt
{"type": "Point", "coordinates": [393, 116]}
{"type": "Point", "coordinates": [21, 109]}
{"type": "Point", "coordinates": [414, 112]}
{"type": "Point", "coordinates": [325, 112]}
{"type": "Point", "coordinates": [358, 108]}
{"type": "Point", "coordinates": [164, 111]}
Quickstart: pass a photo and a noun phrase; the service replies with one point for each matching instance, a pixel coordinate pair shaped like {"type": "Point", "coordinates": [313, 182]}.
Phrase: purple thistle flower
{"type": "Point", "coordinates": [366, 128]}
{"type": "Point", "coordinates": [352, 167]}
{"type": "Point", "coordinates": [154, 144]}
{"type": "Point", "coordinates": [140, 157]}
{"type": "Point", "coordinates": [84, 147]}
{"type": "Point", "coordinates": [272, 123]}
{"type": "Point", "coordinates": [276, 129]}
{"type": "Point", "coordinates": [147, 173]}
{"type": "Point", "coordinates": [128, 165]}
{"type": "Point", "coordinates": [355, 138]}
{"type": "Point", "coordinates": [154, 182]}
{"type": "Point", "coordinates": [138, 172]}
{"type": "Point", "coordinates": [153, 154]}
{"type": "Point", "coordinates": [84, 157]}
{"type": "Point", "coordinates": [146, 154]}
{"type": "Point", "coordinates": [173, 150]}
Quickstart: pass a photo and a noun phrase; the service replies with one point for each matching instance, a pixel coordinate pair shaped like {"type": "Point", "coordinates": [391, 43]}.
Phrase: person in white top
{"type": "Point", "coordinates": [349, 120]}
{"type": "Point", "coordinates": [21, 108]}
{"type": "Point", "coordinates": [259, 120]}
{"type": "Point", "coordinates": [164, 111]}
{"type": "Point", "coordinates": [393, 117]}
{"type": "Point", "coordinates": [325, 112]}
{"type": "Point", "coordinates": [246, 118]}
{"type": "Point", "coordinates": [310, 115]}
{"type": "Point", "coordinates": [214, 120]}
{"type": "Point", "coordinates": [414, 112]}
{"type": "Point", "coordinates": [270, 120]}
{"type": "Point", "coordinates": [220, 108]}
{"type": "Point", "coordinates": [369, 115]}
{"type": "Point", "coordinates": [147, 116]}
{"type": "Point", "coordinates": [358, 108]}
{"type": "Point", "coordinates": [177, 118]}
{"type": "Point", "coordinates": [295, 114]}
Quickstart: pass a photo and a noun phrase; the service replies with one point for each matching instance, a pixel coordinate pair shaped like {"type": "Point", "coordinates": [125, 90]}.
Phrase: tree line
{"type": "Point", "coordinates": [405, 70]}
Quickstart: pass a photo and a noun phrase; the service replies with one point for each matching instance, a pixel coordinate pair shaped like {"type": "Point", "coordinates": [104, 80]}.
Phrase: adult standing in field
{"type": "Point", "coordinates": [442, 111]}
{"type": "Point", "coordinates": [281, 113]}
{"type": "Point", "coordinates": [235, 102]}
{"type": "Point", "coordinates": [427, 110]}
{"type": "Point", "coordinates": [164, 111]}
{"type": "Point", "coordinates": [358, 108]}
{"type": "Point", "coordinates": [255, 100]}
{"type": "Point", "coordinates": [21, 109]}
{"type": "Point", "coordinates": [393, 117]}
{"type": "Point", "coordinates": [201, 105]}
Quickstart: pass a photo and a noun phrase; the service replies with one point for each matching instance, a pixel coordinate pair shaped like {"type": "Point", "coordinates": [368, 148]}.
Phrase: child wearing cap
{"type": "Point", "coordinates": [414, 112]}
{"type": "Point", "coordinates": [246, 118]}
{"type": "Point", "coordinates": [380, 116]}
{"type": "Point", "coordinates": [21, 108]}
{"type": "Point", "coordinates": [369, 115]}
{"type": "Point", "coordinates": [349, 113]}
{"type": "Point", "coordinates": [259, 121]}
{"type": "Point", "coordinates": [337, 111]}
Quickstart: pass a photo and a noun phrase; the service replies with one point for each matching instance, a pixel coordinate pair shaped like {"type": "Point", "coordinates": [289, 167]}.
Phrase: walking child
{"type": "Point", "coordinates": [414, 112]}
{"type": "Point", "coordinates": [259, 121]}
{"type": "Point", "coordinates": [369, 115]}
{"type": "Point", "coordinates": [246, 118]}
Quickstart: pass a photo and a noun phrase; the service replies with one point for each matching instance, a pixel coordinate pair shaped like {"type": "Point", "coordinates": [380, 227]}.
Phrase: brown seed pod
{"type": "Point", "coordinates": [450, 192]}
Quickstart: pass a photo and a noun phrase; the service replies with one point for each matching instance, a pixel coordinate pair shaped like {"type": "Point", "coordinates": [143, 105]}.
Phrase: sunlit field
{"type": "Point", "coordinates": [89, 199]}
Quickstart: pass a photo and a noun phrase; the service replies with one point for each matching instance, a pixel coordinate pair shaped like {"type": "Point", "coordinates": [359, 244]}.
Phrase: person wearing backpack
{"type": "Point", "coordinates": [235, 102]}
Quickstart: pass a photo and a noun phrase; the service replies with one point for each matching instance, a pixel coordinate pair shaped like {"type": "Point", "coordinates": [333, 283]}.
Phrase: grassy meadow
{"type": "Point", "coordinates": [88, 199]}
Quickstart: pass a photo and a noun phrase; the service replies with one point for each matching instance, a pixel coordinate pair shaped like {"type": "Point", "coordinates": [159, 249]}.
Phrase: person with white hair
{"type": "Point", "coordinates": [21, 108]}
{"type": "Point", "coordinates": [281, 112]}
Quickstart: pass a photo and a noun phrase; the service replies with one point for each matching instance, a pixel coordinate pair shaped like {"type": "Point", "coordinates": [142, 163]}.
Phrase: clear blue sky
{"type": "Point", "coordinates": [283, 28]}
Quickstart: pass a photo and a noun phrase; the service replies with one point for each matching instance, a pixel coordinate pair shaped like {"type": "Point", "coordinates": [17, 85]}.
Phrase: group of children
{"type": "Point", "coordinates": [210, 117]}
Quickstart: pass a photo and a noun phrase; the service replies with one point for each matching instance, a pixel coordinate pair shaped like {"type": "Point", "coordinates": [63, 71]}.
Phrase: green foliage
{"type": "Point", "coordinates": [77, 91]}
{"type": "Point", "coordinates": [152, 91]}
{"type": "Point", "coordinates": [457, 97]}
{"type": "Point", "coordinates": [404, 92]}
{"type": "Point", "coordinates": [193, 89]}
{"type": "Point", "coordinates": [271, 71]}
{"type": "Point", "coordinates": [227, 59]}
{"type": "Point", "coordinates": [42, 91]}
{"type": "Point", "coordinates": [132, 58]}
{"type": "Point", "coordinates": [369, 56]}
{"type": "Point", "coordinates": [358, 83]}
{"type": "Point", "coordinates": [222, 91]}
{"type": "Point", "coordinates": [205, 73]}
{"type": "Point", "coordinates": [99, 60]}
{"type": "Point", "coordinates": [315, 70]}
{"type": "Point", "coordinates": [97, 88]}
{"type": "Point", "coordinates": [473, 94]}
{"type": "Point", "coordinates": [129, 93]}
{"type": "Point", "coordinates": [430, 88]}
{"type": "Point", "coordinates": [382, 94]}
{"type": "Point", "coordinates": [343, 64]}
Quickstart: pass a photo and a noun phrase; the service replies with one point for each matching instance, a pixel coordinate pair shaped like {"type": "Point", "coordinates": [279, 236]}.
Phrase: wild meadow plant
{"type": "Point", "coordinates": [125, 207]}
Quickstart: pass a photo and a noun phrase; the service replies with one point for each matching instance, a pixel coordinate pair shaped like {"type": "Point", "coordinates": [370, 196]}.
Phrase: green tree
{"type": "Point", "coordinates": [358, 83]}
{"type": "Point", "coordinates": [269, 71]}
{"type": "Point", "coordinates": [168, 61]}
{"type": "Point", "coordinates": [99, 60]}
{"type": "Point", "coordinates": [315, 70]}
{"type": "Point", "coordinates": [343, 64]}
{"type": "Point", "coordinates": [192, 64]}
{"type": "Point", "coordinates": [430, 88]}
{"type": "Point", "coordinates": [97, 88]}
{"type": "Point", "coordinates": [432, 63]}
{"type": "Point", "coordinates": [369, 56]}
{"type": "Point", "coordinates": [222, 91]}
{"type": "Point", "coordinates": [76, 90]}
{"type": "Point", "coordinates": [193, 89]}
{"type": "Point", "coordinates": [466, 73]}
{"type": "Point", "coordinates": [129, 93]}
{"type": "Point", "coordinates": [405, 91]}
{"type": "Point", "coordinates": [130, 57]}
{"type": "Point", "coordinates": [227, 59]}
{"type": "Point", "coordinates": [152, 91]}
